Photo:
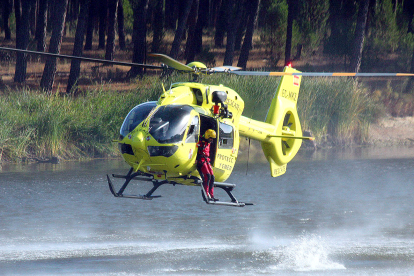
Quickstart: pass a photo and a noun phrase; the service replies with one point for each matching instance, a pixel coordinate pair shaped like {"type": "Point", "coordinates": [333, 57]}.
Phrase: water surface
{"type": "Point", "coordinates": [335, 213]}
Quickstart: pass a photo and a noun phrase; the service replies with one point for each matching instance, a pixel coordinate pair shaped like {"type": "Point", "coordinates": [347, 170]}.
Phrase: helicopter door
{"type": "Point", "coordinates": [225, 157]}
{"type": "Point", "coordinates": [209, 123]}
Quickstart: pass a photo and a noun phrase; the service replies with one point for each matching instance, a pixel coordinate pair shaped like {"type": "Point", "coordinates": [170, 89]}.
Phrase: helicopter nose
{"type": "Point", "coordinates": [139, 143]}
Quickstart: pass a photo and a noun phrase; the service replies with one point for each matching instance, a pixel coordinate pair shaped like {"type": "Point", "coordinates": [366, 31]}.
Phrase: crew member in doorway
{"type": "Point", "coordinates": [203, 163]}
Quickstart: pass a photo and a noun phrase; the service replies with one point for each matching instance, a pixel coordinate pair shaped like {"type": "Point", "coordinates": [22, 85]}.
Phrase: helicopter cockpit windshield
{"type": "Point", "coordinates": [168, 124]}
{"type": "Point", "coordinates": [136, 116]}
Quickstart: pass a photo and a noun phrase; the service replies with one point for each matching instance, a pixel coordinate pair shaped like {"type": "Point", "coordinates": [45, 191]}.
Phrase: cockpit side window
{"type": "Point", "coordinates": [226, 136]}
{"type": "Point", "coordinates": [198, 95]}
{"type": "Point", "coordinates": [136, 116]}
{"type": "Point", "coordinates": [193, 132]}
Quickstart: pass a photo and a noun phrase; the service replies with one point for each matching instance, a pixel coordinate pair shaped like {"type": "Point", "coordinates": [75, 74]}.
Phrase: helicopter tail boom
{"type": "Point", "coordinates": [281, 133]}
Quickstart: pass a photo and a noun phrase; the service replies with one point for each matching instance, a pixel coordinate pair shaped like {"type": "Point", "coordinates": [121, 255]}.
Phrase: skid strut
{"type": "Point", "coordinates": [134, 176]}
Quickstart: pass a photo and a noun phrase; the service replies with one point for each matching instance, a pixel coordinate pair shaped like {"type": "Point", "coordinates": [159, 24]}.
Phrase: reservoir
{"type": "Point", "coordinates": [331, 213]}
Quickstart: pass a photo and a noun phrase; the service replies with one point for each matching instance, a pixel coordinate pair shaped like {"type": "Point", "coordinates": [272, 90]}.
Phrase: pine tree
{"type": "Point", "coordinates": [78, 45]}
{"type": "Point", "coordinates": [58, 22]}
{"type": "Point", "coordinates": [22, 11]}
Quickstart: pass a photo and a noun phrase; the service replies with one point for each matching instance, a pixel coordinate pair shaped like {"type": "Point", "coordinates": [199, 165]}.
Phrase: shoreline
{"type": "Point", "coordinates": [392, 131]}
{"type": "Point", "coordinates": [388, 133]}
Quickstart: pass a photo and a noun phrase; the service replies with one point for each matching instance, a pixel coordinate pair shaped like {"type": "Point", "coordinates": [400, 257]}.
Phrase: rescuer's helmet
{"type": "Point", "coordinates": [210, 134]}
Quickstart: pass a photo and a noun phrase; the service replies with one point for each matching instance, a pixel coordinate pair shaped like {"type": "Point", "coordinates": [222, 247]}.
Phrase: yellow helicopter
{"type": "Point", "coordinates": [158, 139]}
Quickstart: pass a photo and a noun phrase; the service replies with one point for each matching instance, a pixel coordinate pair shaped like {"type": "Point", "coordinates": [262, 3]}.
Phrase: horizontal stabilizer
{"type": "Point", "coordinates": [292, 137]}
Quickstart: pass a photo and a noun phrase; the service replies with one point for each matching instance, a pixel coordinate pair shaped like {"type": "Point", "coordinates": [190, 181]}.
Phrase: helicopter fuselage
{"type": "Point", "coordinates": [159, 138]}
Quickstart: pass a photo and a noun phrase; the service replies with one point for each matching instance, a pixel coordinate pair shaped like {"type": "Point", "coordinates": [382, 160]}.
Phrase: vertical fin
{"type": "Point", "coordinates": [283, 116]}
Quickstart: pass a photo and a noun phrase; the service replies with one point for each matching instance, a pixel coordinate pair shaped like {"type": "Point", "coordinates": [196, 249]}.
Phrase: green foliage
{"type": "Point", "coordinates": [129, 17]}
{"type": "Point", "coordinates": [384, 32]}
{"type": "Point", "coordinates": [311, 23]}
{"type": "Point", "coordinates": [33, 124]}
{"type": "Point", "coordinates": [387, 36]}
{"type": "Point", "coordinates": [336, 110]}
{"type": "Point", "coordinates": [37, 125]}
{"type": "Point", "coordinates": [273, 20]}
{"type": "Point", "coordinates": [342, 20]}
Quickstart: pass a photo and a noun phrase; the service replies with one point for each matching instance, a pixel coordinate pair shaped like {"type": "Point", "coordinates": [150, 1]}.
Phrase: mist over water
{"type": "Point", "coordinates": [326, 216]}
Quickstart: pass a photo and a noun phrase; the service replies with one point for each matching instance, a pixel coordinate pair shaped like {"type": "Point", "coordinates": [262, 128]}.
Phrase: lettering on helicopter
{"type": "Point", "coordinates": [233, 104]}
{"type": "Point", "coordinates": [225, 167]}
{"type": "Point", "coordinates": [225, 162]}
{"type": "Point", "coordinates": [226, 158]}
{"type": "Point", "coordinates": [290, 95]}
{"type": "Point", "coordinates": [279, 170]}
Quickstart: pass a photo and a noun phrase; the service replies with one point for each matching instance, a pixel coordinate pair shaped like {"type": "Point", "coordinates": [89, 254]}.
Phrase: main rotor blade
{"type": "Point", "coordinates": [171, 62]}
{"type": "Point", "coordinates": [224, 68]}
{"type": "Point", "coordinates": [312, 74]}
{"type": "Point", "coordinates": [122, 63]}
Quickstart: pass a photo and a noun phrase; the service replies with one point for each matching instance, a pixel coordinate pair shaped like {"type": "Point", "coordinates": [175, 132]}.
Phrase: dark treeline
{"type": "Point", "coordinates": [359, 34]}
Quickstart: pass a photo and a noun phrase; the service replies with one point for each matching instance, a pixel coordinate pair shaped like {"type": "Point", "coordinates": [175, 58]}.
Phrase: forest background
{"type": "Point", "coordinates": [70, 109]}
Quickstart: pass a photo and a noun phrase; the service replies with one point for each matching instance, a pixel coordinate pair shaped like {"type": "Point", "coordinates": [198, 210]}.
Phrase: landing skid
{"type": "Point", "coordinates": [227, 187]}
{"type": "Point", "coordinates": [130, 176]}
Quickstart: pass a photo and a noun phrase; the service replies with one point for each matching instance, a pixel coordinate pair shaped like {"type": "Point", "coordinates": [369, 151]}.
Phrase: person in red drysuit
{"type": "Point", "coordinates": [203, 163]}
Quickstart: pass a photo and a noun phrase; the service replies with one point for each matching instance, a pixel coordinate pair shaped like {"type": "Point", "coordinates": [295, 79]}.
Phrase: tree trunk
{"type": "Point", "coordinates": [22, 12]}
{"type": "Point", "coordinates": [139, 35]}
{"type": "Point", "coordinates": [409, 10]}
{"type": "Point", "coordinates": [252, 9]}
{"type": "Point", "coordinates": [241, 29]}
{"type": "Point", "coordinates": [191, 23]}
{"type": "Point", "coordinates": [103, 11]}
{"type": "Point", "coordinates": [121, 32]}
{"type": "Point", "coordinates": [91, 23]}
{"type": "Point", "coordinates": [359, 36]}
{"type": "Point", "coordinates": [32, 17]}
{"type": "Point", "coordinates": [110, 41]}
{"type": "Point", "coordinates": [231, 34]}
{"type": "Point", "coordinates": [214, 7]}
{"type": "Point", "coordinates": [58, 23]}
{"type": "Point", "coordinates": [41, 26]}
{"type": "Point", "coordinates": [6, 15]}
{"type": "Point", "coordinates": [289, 29]}
{"type": "Point", "coordinates": [222, 22]}
{"type": "Point", "coordinates": [182, 21]}
{"type": "Point", "coordinates": [78, 45]}
{"type": "Point", "coordinates": [158, 23]}
{"type": "Point", "coordinates": [170, 18]}
{"type": "Point", "coordinates": [202, 21]}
